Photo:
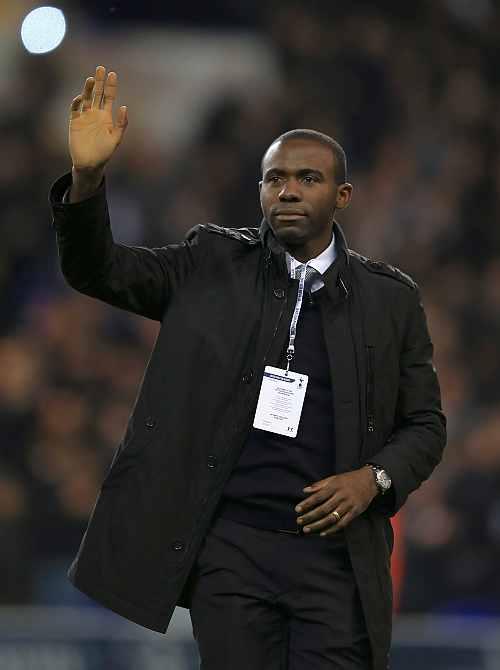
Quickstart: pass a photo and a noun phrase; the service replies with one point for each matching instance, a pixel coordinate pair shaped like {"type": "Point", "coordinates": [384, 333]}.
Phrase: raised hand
{"type": "Point", "coordinates": [93, 134]}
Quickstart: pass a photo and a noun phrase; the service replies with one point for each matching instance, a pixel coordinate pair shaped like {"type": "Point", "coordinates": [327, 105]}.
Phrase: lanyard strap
{"type": "Point", "coordinates": [293, 325]}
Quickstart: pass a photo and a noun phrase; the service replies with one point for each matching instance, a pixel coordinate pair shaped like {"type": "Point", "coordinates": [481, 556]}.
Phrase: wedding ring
{"type": "Point", "coordinates": [336, 515]}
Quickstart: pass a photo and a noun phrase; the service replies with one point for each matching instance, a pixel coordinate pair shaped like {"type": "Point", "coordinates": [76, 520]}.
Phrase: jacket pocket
{"type": "Point", "coordinates": [370, 389]}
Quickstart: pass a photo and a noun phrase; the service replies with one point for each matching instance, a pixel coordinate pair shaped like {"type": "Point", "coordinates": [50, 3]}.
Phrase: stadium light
{"type": "Point", "coordinates": [43, 30]}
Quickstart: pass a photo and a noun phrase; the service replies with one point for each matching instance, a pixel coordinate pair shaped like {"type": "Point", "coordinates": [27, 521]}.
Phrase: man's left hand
{"type": "Point", "coordinates": [348, 494]}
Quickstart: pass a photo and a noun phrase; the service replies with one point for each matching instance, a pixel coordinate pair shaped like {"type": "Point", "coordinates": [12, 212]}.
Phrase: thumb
{"type": "Point", "coordinates": [74, 109]}
{"type": "Point", "coordinates": [314, 487]}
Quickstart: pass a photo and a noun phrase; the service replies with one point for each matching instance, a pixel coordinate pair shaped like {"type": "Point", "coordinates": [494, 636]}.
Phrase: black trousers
{"type": "Point", "coordinates": [262, 600]}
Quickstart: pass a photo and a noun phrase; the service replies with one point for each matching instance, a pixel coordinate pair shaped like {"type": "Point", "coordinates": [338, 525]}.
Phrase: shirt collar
{"type": "Point", "coordinates": [321, 262]}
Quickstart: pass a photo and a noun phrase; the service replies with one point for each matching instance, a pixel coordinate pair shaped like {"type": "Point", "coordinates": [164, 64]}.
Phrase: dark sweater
{"type": "Point", "coordinates": [272, 470]}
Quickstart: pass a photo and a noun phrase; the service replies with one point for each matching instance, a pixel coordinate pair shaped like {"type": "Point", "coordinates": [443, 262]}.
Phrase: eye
{"type": "Point", "coordinates": [309, 179]}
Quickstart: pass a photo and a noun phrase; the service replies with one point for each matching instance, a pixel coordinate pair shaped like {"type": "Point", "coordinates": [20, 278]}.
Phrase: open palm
{"type": "Point", "coordinates": [93, 134]}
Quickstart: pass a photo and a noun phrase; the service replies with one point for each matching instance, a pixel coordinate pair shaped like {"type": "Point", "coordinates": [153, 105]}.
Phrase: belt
{"type": "Point", "coordinates": [292, 532]}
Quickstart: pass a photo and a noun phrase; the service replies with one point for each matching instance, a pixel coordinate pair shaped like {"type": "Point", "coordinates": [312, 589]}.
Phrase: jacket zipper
{"type": "Point", "coordinates": [370, 392]}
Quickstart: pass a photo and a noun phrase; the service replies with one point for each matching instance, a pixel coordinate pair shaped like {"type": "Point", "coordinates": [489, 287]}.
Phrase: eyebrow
{"type": "Point", "coordinates": [300, 173]}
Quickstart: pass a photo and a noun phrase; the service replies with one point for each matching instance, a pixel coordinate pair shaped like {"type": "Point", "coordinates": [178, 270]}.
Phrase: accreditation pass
{"type": "Point", "coordinates": [280, 401]}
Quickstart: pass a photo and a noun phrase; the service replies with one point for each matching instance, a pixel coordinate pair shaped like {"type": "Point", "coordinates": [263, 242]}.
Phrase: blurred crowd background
{"type": "Point", "coordinates": [411, 90]}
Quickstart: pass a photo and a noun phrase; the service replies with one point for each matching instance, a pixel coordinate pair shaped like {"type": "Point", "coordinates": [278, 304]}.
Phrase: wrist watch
{"type": "Point", "coordinates": [382, 479]}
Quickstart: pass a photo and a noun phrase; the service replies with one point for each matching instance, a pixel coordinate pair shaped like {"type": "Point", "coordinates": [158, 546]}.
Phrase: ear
{"type": "Point", "coordinates": [344, 194]}
{"type": "Point", "coordinates": [260, 185]}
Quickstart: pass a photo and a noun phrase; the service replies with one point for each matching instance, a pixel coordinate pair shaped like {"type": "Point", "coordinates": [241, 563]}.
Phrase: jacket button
{"type": "Point", "coordinates": [212, 461]}
{"type": "Point", "coordinates": [279, 293]}
{"type": "Point", "coordinates": [247, 377]}
{"type": "Point", "coordinates": [177, 545]}
{"type": "Point", "coordinates": [150, 422]}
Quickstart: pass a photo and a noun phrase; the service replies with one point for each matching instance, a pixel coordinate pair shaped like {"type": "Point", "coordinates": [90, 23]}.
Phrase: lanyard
{"type": "Point", "coordinates": [293, 325]}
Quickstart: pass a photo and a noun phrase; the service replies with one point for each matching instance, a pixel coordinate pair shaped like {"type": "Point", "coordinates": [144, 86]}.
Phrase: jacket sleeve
{"type": "Point", "coordinates": [133, 278]}
{"type": "Point", "coordinates": [417, 442]}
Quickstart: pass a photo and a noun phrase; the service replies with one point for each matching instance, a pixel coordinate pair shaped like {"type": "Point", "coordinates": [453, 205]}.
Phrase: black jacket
{"type": "Point", "coordinates": [222, 297]}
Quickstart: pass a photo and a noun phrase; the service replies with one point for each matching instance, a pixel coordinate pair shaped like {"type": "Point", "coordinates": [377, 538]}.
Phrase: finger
{"type": "Point", "coordinates": [325, 521]}
{"type": "Point", "coordinates": [110, 90]}
{"type": "Point", "coordinates": [320, 525]}
{"type": "Point", "coordinates": [121, 123]}
{"type": "Point", "coordinates": [314, 500]}
{"type": "Point", "coordinates": [100, 77]}
{"type": "Point", "coordinates": [87, 93]}
{"type": "Point", "coordinates": [75, 107]}
{"type": "Point", "coordinates": [316, 486]}
{"type": "Point", "coordinates": [122, 117]}
{"type": "Point", "coordinates": [345, 520]}
{"type": "Point", "coordinates": [321, 510]}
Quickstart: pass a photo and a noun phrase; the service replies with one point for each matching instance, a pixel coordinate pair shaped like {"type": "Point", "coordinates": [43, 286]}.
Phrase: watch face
{"type": "Point", "coordinates": [384, 480]}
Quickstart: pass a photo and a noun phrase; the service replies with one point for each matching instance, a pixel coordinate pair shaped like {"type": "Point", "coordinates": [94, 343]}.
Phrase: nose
{"type": "Point", "coordinates": [289, 193]}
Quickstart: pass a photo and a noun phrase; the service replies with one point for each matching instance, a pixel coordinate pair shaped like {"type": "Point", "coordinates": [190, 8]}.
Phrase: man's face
{"type": "Point", "coordinates": [298, 194]}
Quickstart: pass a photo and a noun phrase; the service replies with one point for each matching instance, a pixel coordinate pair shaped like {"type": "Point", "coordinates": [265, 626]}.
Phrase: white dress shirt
{"type": "Point", "coordinates": [321, 263]}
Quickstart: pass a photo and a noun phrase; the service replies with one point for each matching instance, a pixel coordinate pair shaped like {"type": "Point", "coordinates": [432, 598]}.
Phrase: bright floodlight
{"type": "Point", "coordinates": [43, 30]}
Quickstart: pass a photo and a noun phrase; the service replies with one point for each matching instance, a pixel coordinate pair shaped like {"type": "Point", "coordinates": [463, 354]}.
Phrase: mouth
{"type": "Point", "coordinates": [287, 215]}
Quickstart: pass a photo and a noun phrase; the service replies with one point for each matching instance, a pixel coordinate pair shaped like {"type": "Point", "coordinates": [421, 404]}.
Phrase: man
{"type": "Point", "coordinates": [288, 409]}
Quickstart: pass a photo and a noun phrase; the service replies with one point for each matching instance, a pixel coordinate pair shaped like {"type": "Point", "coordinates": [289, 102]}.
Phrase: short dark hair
{"type": "Point", "coordinates": [339, 157]}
